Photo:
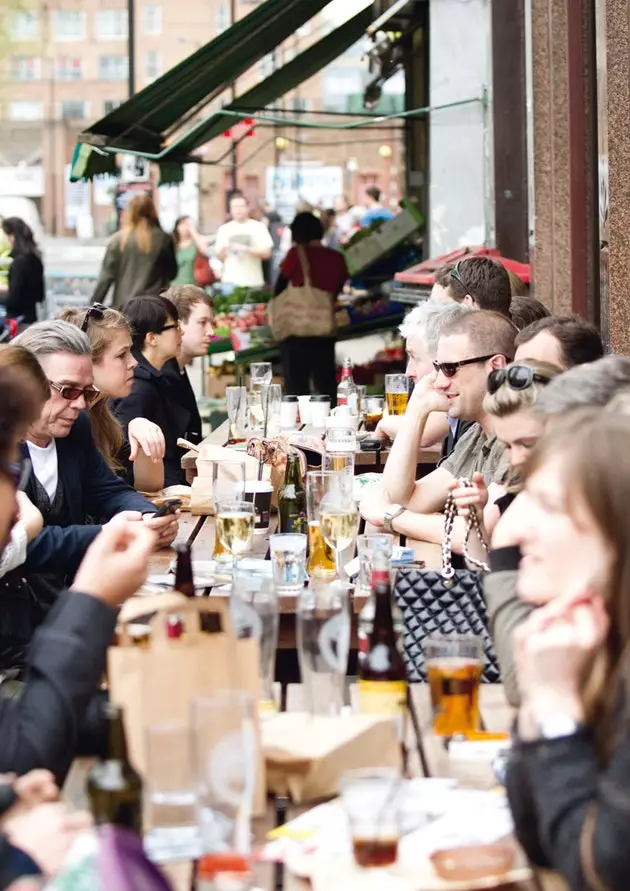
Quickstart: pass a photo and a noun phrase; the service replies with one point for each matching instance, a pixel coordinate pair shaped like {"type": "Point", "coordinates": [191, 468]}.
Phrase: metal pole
{"type": "Point", "coordinates": [233, 95]}
{"type": "Point", "coordinates": [131, 45]}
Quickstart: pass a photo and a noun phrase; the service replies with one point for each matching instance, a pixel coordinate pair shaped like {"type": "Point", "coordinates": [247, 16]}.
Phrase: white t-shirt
{"type": "Point", "coordinates": [45, 466]}
{"type": "Point", "coordinates": [243, 270]}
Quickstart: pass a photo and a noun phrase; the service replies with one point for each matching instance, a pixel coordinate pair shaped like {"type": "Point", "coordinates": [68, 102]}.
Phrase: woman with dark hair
{"type": "Point", "coordinates": [188, 246]}
{"type": "Point", "coordinates": [156, 338]}
{"type": "Point", "coordinates": [140, 258]}
{"type": "Point", "coordinates": [26, 272]}
{"type": "Point", "coordinates": [309, 360]}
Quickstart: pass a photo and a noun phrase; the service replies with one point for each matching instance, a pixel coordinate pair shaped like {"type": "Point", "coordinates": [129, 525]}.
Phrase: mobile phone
{"type": "Point", "coordinates": [168, 508]}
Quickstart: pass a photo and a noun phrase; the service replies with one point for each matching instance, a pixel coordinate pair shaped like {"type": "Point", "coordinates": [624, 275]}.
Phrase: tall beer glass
{"type": "Point", "coordinates": [454, 666]}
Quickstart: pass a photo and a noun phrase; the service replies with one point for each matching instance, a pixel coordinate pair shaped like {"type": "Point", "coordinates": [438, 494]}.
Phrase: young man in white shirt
{"type": "Point", "coordinates": [242, 245]}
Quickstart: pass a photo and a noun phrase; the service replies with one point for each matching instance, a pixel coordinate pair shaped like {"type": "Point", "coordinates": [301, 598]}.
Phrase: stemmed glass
{"type": "Point", "coordinates": [338, 516]}
{"type": "Point", "coordinates": [236, 399]}
{"type": "Point", "coordinates": [235, 528]}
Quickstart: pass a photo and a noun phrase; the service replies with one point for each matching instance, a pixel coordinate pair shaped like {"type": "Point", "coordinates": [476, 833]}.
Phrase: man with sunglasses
{"type": "Point", "coordinates": [469, 349]}
{"type": "Point", "coordinates": [70, 482]}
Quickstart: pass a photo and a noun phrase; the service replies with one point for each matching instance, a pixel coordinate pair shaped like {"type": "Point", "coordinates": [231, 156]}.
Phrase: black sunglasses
{"type": "Point", "coordinates": [450, 369]}
{"type": "Point", "coordinates": [96, 311]}
{"type": "Point", "coordinates": [72, 393]}
{"type": "Point", "coordinates": [517, 377]}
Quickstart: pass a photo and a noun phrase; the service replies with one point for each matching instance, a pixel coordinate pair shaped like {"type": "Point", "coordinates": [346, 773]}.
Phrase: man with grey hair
{"type": "Point", "coordinates": [70, 482]}
{"type": "Point", "coordinates": [421, 329]}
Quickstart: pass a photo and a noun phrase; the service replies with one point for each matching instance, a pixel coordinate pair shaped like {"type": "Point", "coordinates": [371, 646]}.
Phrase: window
{"type": "Point", "coordinates": [340, 83]}
{"type": "Point", "coordinates": [24, 27]}
{"type": "Point", "coordinates": [110, 104]}
{"type": "Point", "coordinates": [68, 24]}
{"type": "Point", "coordinates": [26, 111]}
{"type": "Point", "coordinates": [24, 68]}
{"type": "Point", "coordinates": [152, 21]}
{"type": "Point", "coordinates": [223, 17]}
{"type": "Point", "coordinates": [74, 109]}
{"type": "Point", "coordinates": [69, 68]}
{"type": "Point", "coordinates": [113, 67]}
{"type": "Point", "coordinates": [111, 24]}
{"type": "Point", "coordinates": [153, 66]}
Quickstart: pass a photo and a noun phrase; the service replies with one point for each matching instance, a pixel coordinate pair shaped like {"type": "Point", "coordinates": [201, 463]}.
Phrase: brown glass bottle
{"type": "Point", "coordinates": [114, 787]}
{"type": "Point", "coordinates": [382, 670]}
{"type": "Point", "coordinates": [292, 499]}
{"type": "Point", "coordinates": [184, 582]}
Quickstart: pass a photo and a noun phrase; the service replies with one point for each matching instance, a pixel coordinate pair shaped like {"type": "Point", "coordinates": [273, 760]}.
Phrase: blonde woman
{"type": "Point", "coordinates": [140, 457]}
{"type": "Point", "coordinates": [140, 258]}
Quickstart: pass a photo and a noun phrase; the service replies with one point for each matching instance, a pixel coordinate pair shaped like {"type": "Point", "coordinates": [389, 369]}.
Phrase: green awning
{"type": "Point", "coordinates": [143, 122]}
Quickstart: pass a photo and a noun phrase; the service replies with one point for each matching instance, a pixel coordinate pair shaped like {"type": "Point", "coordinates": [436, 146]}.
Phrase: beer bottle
{"type": "Point", "coordinates": [347, 393]}
{"type": "Point", "coordinates": [382, 671]}
{"type": "Point", "coordinates": [184, 582]}
{"type": "Point", "coordinates": [292, 499]}
{"type": "Point", "coordinates": [114, 787]}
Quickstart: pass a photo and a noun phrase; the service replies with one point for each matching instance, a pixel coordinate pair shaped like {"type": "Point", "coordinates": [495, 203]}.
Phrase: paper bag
{"type": "Point", "coordinates": [155, 684]}
{"type": "Point", "coordinates": [211, 454]}
{"type": "Point", "coordinates": [202, 491]}
{"type": "Point", "coordinates": [305, 755]}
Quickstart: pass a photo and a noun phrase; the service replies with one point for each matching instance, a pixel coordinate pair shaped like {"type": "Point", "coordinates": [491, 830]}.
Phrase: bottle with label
{"type": "Point", "coordinates": [347, 393]}
{"type": "Point", "coordinates": [382, 670]}
{"type": "Point", "coordinates": [292, 499]}
{"type": "Point", "coordinates": [114, 787]}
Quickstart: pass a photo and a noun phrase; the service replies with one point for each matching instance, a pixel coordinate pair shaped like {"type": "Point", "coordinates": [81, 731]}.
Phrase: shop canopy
{"type": "Point", "coordinates": [144, 124]}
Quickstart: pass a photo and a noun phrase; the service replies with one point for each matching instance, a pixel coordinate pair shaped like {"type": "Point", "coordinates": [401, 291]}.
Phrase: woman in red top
{"type": "Point", "coordinates": [309, 360]}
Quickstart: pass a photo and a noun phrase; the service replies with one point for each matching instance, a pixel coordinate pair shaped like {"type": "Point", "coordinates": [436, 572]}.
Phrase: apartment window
{"type": "Point", "coordinates": [111, 24]}
{"type": "Point", "coordinates": [153, 66]}
{"type": "Point", "coordinates": [26, 111]}
{"type": "Point", "coordinates": [110, 104]}
{"type": "Point", "coordinates": [223, 17]}
{"type": "Point", "coordinates": [24, 27]}
{"type": "Point", "coordinates": [338, 84]}
{"type": "Point", "coordinates": [24, 68]}
{"type": "Point", "coordinates": [68, 24]}
{"type": "Point", "coordinates": [113, 67]}
{"type": "Point", "coordinates": [152, 21]}
{"type": "Point", "coordinates": [69, 68]}
{"type": "Point", "coordinates": [74, 109]}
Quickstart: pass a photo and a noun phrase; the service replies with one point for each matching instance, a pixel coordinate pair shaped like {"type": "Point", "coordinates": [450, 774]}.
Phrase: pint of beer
{"type": "Point", "coordinates": [396, 393]}
{"type": "Point", "coordinates": [321, 558]}
{"type": "Point", "coordinates": [373, 407]}
{"type": "Point", "coordinates": [454, 666]}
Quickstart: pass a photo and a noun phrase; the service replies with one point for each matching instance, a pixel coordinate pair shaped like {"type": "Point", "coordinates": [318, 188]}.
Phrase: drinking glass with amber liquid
{"type": "Point", "coordinates": [338, 516]}
{"type": "Point", "coordinates": [372, 801]}
{"type": "Point", "coordinates": [373, 408]}
{"type": "Point", "coordinates": [321, 559]}
{"type": "Point", "coordinates": [396, 393]}
{"type": "Point", "coordinates": [235, 529]}
{"type": "Point", "coordinates": [454, 667]}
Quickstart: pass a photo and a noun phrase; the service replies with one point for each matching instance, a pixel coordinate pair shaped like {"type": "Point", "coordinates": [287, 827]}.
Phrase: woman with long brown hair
{"type": "Point", "coordinates": [140, 457]}
{"type": "Point", "coordinates": [569, 774]}
{"type": "Point", "coordinates": [140, 258]}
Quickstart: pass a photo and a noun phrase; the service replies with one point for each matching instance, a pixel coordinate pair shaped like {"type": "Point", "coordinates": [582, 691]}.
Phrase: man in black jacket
{"type": "Point", "coordinates": [71, 484]}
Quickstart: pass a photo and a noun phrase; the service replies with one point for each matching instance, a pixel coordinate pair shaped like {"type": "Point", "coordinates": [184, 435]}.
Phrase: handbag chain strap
{"type": "Point", "coordinates": [450, 512]}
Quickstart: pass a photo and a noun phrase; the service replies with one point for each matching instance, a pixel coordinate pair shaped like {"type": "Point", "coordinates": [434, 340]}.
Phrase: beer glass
{"type": "Point", "coordinates": [228, 484]}
{"type": "Point", "coordinates": [271, 399]}
{"type": "Point", "coordinates": [255, 613]}
{"type": "Point", "coordinates": [323, 642]}
{"type": "Point", "coordinates": [338, 516]}
{"type": "Point", "coordinates": [224, 767]}
{"type": "Point", "coordinates": [372, 800]}
{"type": "Point", "coordinates": [454, 667]}
{"type": "Point", "coordinates": [396, 393]}
{"type": "Point", "coordinates": [288, 559]}
{"type": "Point", "coordinates": [373, 408]}
{"type": "Point", "coordinates": [235, 522]}
{"type": "Point", "coordinates": [236, 401]}
{"type": "Point", "coordinates": [321, 559]}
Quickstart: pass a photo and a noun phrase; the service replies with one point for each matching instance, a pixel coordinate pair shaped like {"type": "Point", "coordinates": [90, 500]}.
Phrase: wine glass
{"type": "Point", "coordinates": [338, 516]}
{"type": "Point", "coordinates": [236, 399]}
{"type": "Point", "coordinates": [235, 528]}
{"type": "Point", "coordinates": [228, 484]}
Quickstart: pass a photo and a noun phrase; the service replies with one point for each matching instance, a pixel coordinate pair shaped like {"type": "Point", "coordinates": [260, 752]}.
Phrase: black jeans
{"type": "Point", "coordinates": [306, 359]}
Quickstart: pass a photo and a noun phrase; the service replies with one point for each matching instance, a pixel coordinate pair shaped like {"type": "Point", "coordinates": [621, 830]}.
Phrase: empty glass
{"type": "Point", "coordinates": [288, 562]}
{"type": "Point", "coordinates": [236, 399]}
{"type": "Point", "coordinates": [366, 545]}
{"type": "Point", "coordinates": [338, 516]}
{"type": "Point", "coordinates": [235, 528]}
{"type": "Point", "coordinates": [224, 769]}
{"type": "Point", "coordinates": [255, 613]}
{"type": "Point", "coordinates": [323, 640]}
{"type": "Point", "coordinates": [170, 800]}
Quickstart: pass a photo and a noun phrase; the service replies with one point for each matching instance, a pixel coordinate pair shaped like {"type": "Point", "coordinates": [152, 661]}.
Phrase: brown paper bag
{"type": "Point", "coordinates": [155, 684]}
{"type": "Point", "coordinates": [305, 755]}
{"type": "Point", "coordinates": [202, 494]}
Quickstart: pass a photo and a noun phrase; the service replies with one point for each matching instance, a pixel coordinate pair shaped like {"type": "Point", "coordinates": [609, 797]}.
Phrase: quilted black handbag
{"type": "Point", "coordinates": [442, 602]}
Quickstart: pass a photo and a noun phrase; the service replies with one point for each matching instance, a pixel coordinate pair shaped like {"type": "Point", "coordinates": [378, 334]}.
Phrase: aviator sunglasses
{"type": "Point", "coordinates": [517, 377]}
{"type": "Point", "coordinates": [96, 311]}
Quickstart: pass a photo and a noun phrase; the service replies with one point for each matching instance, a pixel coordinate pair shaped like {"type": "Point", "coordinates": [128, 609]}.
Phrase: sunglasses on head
{"type": "Point", "coordinates": [517, 377]}
{"type": "Point", "coordinates": [450, 369]}
{"type": "Point", "coordinates": [71, 393]}
{"type": "Point", "coordinates": [456, 274]}
{"type": "Point", "coordinates": [96, 311]}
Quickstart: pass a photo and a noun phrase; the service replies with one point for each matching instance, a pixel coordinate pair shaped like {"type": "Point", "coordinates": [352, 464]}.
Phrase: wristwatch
{"type": "Point", "coordinates": [558, 725]}
{"type": "Point", "coordinates": [393, 511]}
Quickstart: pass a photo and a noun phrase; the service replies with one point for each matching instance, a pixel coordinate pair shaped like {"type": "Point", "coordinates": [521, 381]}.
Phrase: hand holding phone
{"type": "Point", "coordinates": [168, 508]}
